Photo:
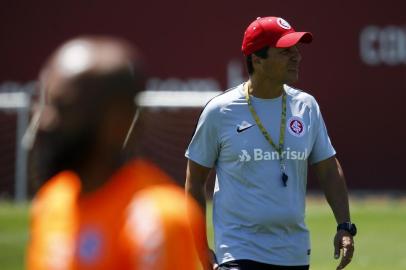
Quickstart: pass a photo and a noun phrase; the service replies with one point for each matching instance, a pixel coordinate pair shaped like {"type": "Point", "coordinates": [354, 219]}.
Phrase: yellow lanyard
{"type": "Point", "coordinates": [267, 136]}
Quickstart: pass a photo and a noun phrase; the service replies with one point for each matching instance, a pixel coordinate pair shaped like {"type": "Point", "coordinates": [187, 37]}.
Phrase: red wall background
{"type": "Point", "coordinates": [363, 104]}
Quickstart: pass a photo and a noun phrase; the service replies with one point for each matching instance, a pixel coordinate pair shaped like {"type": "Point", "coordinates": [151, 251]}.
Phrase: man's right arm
{"type": "Point", "coordinates": [196, 177]}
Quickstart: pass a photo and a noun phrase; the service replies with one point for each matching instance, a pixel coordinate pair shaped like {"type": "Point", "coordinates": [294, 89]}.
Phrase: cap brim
{"type": "Point", "coordinates": [292, 39]}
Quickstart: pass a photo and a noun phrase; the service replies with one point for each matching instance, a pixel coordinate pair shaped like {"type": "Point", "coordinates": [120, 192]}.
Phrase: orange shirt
{"type": "Point", "coordinates": [137, 220]}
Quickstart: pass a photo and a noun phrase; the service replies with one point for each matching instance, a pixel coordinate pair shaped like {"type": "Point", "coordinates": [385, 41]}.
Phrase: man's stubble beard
{"type": "Point", "coordinates": [53, 152]}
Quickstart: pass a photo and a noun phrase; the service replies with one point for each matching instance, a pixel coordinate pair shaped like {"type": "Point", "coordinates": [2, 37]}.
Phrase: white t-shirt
{"type": "Point", "coordinates": [255, 216]}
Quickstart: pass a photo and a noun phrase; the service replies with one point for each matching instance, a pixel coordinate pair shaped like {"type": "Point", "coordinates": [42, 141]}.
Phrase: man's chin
{"type": "Point", "coordinates": [52, 160]}
{"type": "Point", "coordinates": [49, 166]}
{"type": "Point", "coordinates": [292, 79]}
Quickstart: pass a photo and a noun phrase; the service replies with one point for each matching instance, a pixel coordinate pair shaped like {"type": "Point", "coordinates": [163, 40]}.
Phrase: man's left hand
{"type": "Point", "coordinates": [344, 244]}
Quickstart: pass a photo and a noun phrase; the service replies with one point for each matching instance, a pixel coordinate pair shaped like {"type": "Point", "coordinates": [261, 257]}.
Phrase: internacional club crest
{"type": "Point", "coordinates": [296, 126]}
{"type": "Point", "coordinates": [284, 24]}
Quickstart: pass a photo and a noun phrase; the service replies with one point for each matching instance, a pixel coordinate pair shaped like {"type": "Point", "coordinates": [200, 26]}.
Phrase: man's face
{"type": "Point", "coordinates": [281, 65]}
{"type": "Point", "coordinates": [66, 133]}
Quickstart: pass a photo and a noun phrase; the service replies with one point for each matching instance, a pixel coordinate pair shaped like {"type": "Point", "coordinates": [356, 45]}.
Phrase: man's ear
{"type": "Point", "coordinates": [256, 59]}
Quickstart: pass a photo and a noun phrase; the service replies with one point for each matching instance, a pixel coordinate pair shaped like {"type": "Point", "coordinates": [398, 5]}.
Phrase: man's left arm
{"type": "Point", "coordinates": [332, 181]}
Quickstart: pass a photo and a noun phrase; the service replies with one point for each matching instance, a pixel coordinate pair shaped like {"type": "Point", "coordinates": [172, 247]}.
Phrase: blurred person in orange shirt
{"type": "Point", "coordinates": [98, 211]}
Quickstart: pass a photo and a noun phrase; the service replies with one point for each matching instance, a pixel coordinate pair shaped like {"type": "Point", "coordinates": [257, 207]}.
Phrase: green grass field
{"type": "Point", "coordinates": [380, 245]}
{"type": "Point", "coordinates": [381, 240]}
{"type": "Point", "coordinates": [13, 235]}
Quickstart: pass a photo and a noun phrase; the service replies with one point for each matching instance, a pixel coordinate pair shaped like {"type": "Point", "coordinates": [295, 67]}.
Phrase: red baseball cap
{"type": "Point", "coordinates": [273, 32]}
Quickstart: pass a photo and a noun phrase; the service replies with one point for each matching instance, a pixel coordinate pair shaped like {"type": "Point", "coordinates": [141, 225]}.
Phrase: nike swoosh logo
{"type": "Point", "coordinates": [241, 129]}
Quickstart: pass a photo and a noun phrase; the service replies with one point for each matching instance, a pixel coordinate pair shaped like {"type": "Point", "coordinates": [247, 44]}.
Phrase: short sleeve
{"type": "Point", "coordinates": [322, 147]}
{"type": "Point", "coordinates": [204, 146]}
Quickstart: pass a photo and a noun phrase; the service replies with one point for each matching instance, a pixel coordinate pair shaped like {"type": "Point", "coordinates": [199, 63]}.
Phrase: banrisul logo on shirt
{"type": "Point", "coordinates": [244, 156]}
{"type": "Point", "coordinates": [259, 154]}
{"type": "Point", "coordinates": [296, 126]}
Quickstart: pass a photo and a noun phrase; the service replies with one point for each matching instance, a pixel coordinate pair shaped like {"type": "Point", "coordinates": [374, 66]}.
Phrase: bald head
{"type": "Point", "coordinates": [88, 87]}
{"type": "Point", "coordinates": [98, 55]}
{"type": "Point", "coordinates": [92, 54]}
{"type": "Point", "coordinates": [93, 66]}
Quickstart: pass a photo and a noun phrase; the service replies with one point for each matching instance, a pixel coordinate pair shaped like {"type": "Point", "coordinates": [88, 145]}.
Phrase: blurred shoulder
{"type": "Point", "coordinates": [57, 194]}
{"type": "Point", "coordinates": [157, 213]}
{"type": "Point", "coordinates": [167, 202]}
{"type": "Point", "coordinates": [159, 227]}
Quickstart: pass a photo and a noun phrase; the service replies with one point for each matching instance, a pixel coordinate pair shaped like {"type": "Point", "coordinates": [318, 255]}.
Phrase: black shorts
{"type": "Point", "coordinates": [253, 265]}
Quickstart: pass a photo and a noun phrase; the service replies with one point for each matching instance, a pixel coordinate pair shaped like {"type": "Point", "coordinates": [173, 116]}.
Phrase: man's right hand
{"type": "Point", "coordinates": [345, 242]}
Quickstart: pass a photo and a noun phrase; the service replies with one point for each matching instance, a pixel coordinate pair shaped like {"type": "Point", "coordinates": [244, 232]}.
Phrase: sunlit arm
{"type": "Point", "coordinates": [196, 177]}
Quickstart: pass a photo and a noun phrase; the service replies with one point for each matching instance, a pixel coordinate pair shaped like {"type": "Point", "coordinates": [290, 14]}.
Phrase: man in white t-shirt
{"type": "Point", "coordinates": [260, 137]}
